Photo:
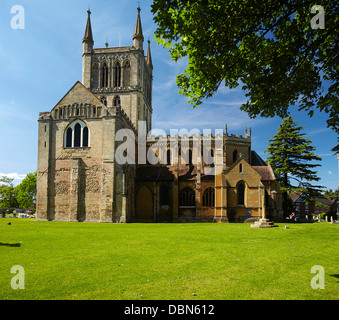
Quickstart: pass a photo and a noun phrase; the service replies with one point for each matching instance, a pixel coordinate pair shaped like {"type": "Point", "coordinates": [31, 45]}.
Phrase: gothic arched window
{"type": "Point", "coordinates": [208, 197]}
{"type": "Point", "coordinates": [187, 197]}
{"type": "Point", "coordinates": [104, 75]}
{"type": "Point", "coordinates": [116, 101]}
{"type": "Point", "coordinates": [127, 74]}
{"type": "Point", "coordinates": [76, 135]}
{"type": "Point", "coordinates": [104, 101]}
{"type": "Point", "coordinates": [117, 75]}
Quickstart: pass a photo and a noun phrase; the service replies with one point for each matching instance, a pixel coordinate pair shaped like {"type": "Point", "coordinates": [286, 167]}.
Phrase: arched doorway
{"type": "Point", "coordinates": [144, 205]}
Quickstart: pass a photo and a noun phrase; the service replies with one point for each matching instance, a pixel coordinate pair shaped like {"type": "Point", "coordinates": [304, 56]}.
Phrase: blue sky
{"type": "Point", "coordinates": [41, 62]}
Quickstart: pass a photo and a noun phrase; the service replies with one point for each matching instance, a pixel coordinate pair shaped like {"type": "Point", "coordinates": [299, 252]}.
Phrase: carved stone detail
{"type": "Point", "coordinates": [92, 183]}
{"type": "Point", "coordinates": [61, 187]}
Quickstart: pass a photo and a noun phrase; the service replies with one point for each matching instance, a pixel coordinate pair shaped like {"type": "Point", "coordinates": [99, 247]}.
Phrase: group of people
{"type": "Point", "coordinates": [3, 213]}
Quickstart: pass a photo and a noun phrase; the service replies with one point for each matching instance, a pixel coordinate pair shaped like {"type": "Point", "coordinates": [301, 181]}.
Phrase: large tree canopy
{"type": "Point", "coordinates": [282, 53]}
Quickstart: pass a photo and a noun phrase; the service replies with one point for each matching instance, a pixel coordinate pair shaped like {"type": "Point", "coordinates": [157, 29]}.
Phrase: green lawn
{"type": "Point", "coordinates": [167, 261]}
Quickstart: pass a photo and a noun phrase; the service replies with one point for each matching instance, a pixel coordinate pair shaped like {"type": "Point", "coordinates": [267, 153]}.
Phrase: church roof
{"type": "Point", "coordinates": [166, 173]}
{"type": "Point", "coordinates": [266, 172]}
{"type": "Point", "coordinates": [78, 94]}
{"type": "Point", "coordinates": [256, 160]}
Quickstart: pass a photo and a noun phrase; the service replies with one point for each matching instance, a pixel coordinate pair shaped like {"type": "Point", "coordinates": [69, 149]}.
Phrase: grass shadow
{"type": "Point", "coordinates": [10, 244]}
{"type": "Point", "coordinates": [335, 276]}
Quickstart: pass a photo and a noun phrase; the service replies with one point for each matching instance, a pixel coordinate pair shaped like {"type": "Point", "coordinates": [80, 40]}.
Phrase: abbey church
{"type": "Point", "coordinates": [80, 179]}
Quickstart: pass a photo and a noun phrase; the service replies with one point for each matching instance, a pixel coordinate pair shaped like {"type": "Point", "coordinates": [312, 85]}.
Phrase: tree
{"type": "Point", "coordinates": [281, 53]}
{"type": "Point", "coordinates": [26, 191]}
{"type": "Point", "coordinates": [291, 156]}
{"type": "Point", "coordinates": [8, 193]}
{"type": "Point", "coordinates": [331, 194]}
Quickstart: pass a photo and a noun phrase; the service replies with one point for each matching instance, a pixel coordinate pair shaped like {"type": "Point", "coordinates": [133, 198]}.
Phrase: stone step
{"type": "Point", "coordinates": [263, 223]}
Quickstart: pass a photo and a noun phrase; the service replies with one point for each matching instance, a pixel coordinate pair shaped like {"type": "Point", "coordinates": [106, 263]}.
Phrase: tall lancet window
{"type": "Point", "coordinates": [76, 135]}
{"type": "Point", "coordinates": [117, 75]}
{"type": "Point", "coordinates": [127, 74]}
{"type": "Point", "coordinates": [69, 134]}
{"type": "Point", "coordinates": [85, 137]}
{"type": "Point", "coordinates": [104, 75]}
{"type": "Point", "coordinates": [241, 193]}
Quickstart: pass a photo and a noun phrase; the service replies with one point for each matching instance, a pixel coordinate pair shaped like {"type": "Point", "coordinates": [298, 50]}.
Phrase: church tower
{"type": "Point", "coordinates": [120, 76]}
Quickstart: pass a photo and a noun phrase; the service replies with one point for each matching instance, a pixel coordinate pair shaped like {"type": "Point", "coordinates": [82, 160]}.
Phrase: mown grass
{"type": "Point", "coordinates": [167, 261]}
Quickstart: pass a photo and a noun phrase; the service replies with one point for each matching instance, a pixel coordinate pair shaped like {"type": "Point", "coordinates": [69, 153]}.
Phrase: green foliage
{"type": "Point", "coordinates": [267, 47]}
{"type": "Point", "coordinates": [26, 191]}
{"type": "Point", "coordinates": [331, 194]}
{"type": "Point", "coordinates": [8, 193]}
{"type": "Point", "coordinates": [21, 196]}
{"type": "Point", "coordinates": [291, 156]}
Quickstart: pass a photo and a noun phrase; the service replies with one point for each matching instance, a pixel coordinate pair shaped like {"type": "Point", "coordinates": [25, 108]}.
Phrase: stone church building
{"type": "Point", "coordinates": [79, 178]}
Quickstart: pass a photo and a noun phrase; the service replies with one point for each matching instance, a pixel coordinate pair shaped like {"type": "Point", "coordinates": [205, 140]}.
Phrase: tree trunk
{"type": "Point", "coordinates": [285, 195]}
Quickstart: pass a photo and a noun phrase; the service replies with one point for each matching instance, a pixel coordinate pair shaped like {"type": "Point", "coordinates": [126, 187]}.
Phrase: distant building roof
{"type": "Point", "coordinates": [324, 201]}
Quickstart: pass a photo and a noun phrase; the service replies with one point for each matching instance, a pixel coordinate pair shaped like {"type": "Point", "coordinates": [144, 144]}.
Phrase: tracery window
{"type": "Point", "coordinates": [104, 101]}
{"type": "Point", "coordinates": [187, 197]}
{"type": "Point", "coordinates": [116, 101]}
{"type": "Point", "coordinates": [76, 135]}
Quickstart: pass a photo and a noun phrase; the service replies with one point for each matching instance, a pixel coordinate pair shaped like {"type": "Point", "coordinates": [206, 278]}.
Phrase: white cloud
{"type": "Point", "coordinates": [14, 175]}
{"type": "Point", "coordinates": [329, 172]}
